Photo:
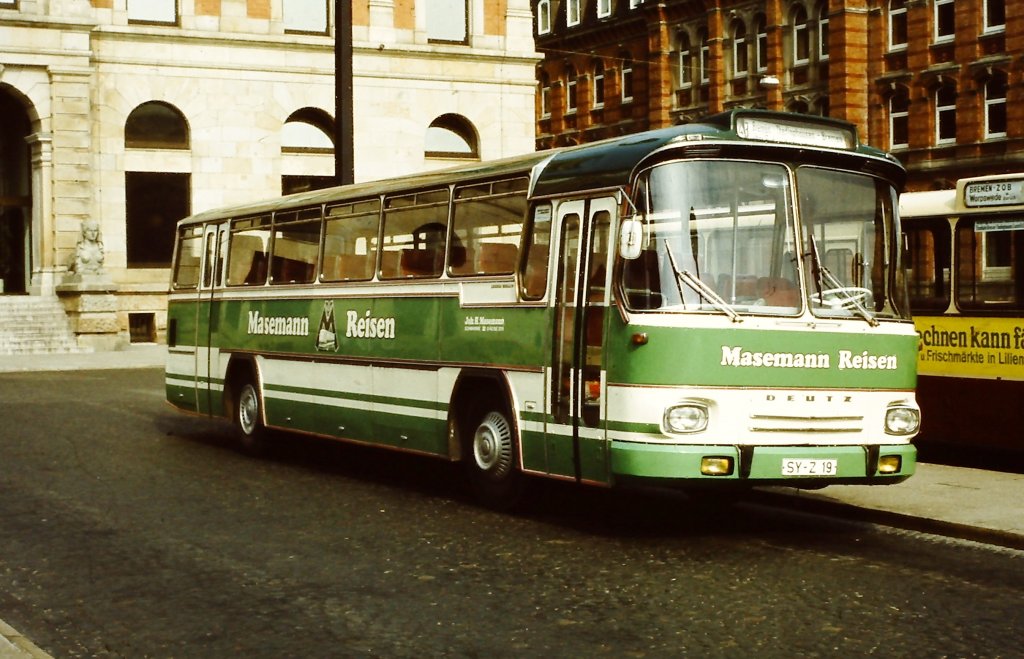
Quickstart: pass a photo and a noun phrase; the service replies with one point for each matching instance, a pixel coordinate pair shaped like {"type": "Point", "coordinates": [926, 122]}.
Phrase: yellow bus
{"type": "Point", "coordinates": [966, 278]}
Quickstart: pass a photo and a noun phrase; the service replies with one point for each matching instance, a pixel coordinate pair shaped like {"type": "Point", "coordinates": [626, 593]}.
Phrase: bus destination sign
{"type": "Point", "coordinates": [994, 193]}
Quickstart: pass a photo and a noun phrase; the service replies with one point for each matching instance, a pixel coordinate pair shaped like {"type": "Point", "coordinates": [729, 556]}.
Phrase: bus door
{"type": "Point", "coordinates": [214, 246]}
{"type": "Point", "coordinates": [576, 443]}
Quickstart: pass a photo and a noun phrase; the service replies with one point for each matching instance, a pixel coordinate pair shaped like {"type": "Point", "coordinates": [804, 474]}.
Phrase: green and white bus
{"type": "Point", "coordinates": [711, 304]}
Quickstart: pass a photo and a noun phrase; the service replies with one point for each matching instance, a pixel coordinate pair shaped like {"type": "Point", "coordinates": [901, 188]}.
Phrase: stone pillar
{"type": "Point", "coordinates": [91, 305]}
{"type": "Point", "coordinates": [43, 230]}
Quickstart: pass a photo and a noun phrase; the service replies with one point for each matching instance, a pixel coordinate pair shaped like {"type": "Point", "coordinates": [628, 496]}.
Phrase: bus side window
{"type": "Point", "coordinates": [186, 265]}
{"type": "Point", "coordinates": [486, 227]}
{"type": "Point", "coordinates": [414, 230]}
{"type": "Point", "coordinates": [537, 243]}
{"type": "Point", "coordinates": [350, 241]}
{"type": "Point", "coordinates": [247, 252]}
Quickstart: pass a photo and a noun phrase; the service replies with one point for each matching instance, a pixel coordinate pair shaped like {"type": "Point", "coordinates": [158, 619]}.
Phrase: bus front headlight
{"type": "Point", "coordinates": [688, 417]}
{"type": "Point", "coordinates": [901, 419]}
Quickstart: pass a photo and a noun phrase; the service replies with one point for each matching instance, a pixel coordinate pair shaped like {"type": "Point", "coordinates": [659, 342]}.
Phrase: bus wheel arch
{"type": "Point", "coordinates": [243, 403]}
{"type": "Point", "coordinates": [483, 431]}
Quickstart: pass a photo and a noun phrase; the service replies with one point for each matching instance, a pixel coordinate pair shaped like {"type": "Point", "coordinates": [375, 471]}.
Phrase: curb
{"type": "Point", "coordinates": [15, 646]}
{"type": "Point", "coordinates": [809, 504]}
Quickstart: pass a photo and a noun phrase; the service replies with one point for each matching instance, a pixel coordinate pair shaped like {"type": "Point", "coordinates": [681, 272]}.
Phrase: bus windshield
{"type": "Point", "coordinates": [728, 230]}
{"type": "Point", "coordinates": [851, 255]}
{"type": "Point", "coordinates": [721, 237]}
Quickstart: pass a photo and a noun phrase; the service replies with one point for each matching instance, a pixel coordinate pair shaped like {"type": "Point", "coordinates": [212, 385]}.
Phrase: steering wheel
{"type": "Point", "coordinates": [843, 297]}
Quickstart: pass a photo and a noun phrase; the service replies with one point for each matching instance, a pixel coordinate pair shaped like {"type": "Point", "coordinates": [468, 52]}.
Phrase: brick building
{"type": "Point", "coordinates": [134, 113]}
{"type": "Point", "coordinates": [940, 83]}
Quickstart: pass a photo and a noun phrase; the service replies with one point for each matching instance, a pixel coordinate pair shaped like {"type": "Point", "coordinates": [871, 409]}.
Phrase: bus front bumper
{"type": "Point", "coordinates": [795, 466]}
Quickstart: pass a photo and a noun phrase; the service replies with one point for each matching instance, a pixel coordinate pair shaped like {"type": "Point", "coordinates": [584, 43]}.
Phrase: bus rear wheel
{"type": "Point", "coordinates": [252, 434]}
{"type": "Point", "coordinates": [492, 461]}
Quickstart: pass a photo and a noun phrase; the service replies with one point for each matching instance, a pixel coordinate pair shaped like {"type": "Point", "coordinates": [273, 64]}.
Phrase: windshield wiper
{"type": "Point", "coordinates": [702, 289]}
{"type": "Point", "coordinates": [849, 296]}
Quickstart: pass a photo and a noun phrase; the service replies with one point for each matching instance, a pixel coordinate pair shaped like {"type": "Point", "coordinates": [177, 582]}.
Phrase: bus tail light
{"type": "Point", "coordinates": [902, 419]}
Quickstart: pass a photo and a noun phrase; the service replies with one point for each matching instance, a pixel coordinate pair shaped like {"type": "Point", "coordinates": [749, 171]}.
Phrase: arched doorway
{"type": "Point", "coordinates": [15, 195]}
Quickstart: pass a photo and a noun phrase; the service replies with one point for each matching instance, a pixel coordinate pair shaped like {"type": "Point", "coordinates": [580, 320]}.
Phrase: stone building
{"type": "Point", "coordinates": [940, 83]}
{"type": "Point", "coordinates": [135, 113]}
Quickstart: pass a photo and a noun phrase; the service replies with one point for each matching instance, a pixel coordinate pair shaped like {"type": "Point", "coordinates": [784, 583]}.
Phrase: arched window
{"type": "Point", "coordinates": [308, 130]}
{"type": "Point", "coordinates": [626, 74]}
{"type": "Point", "coordinates": [739, 49]}
{"type": "Point", "coordinates": [801, 36]}
{"type": "Point", "coordinates": [945, 113]}
{"type": "Point", "coordinates": [823, 30]}
{"type": "Point", "coordinates": [684, 61]}
{"type": "Point", "coordinates": [761, 44]}
{"type": "Point", "coordinates": [598, 91]}
{"type": "Point", "coordinates": [452, 136]}
{"type": "Point", "coordinates": [156, 125]}
{"type": "Point", "coordinates": [995, 105]}
{"type": "Point", "coordinates": [897, 24]}
{"type": "Point", "coordinates": [570, 89]}
{"type": "Point", "coordinates": [545, 95]}
{"type": "Point", "coordinates": [899, 118]}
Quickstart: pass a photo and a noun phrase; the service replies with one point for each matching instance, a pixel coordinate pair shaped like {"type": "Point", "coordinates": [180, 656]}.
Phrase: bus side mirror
{"type": "Point", "coordinates": [631, 238]}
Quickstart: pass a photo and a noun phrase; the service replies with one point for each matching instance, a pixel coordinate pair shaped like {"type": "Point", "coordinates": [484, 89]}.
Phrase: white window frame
{"type": "Point", "coordinates": [543, 16]}
{"type": "Point", "coordinates": [822, 11]}
{"type": "Point", "coordinates": [573, 13]}
{"type": "Point", "coordinates": [571, 101]}
{"type": "Point", "coordinates": [900, 12]}
{"type": "Point", "coordinates": [604, 8]}
{"type": "Point", "coordinates": [626, 80]}
{"type": "Point", "coordinates": [740, 52]}
{"type": "Point", "coordinates": [705, 54]}
{"type": "Point", "coordinates": [996, 27]}
{"type": "Point", "coordinates": [761, 44]}
{"type": "Point", "coordinates": [597, 85]}
{"type": "Point", "coordinates": [989, 104]}
{"type": "Point", "coordinates": [545, 96]}
{"type": "Point", "coordinates": [937, 6]}
{"type": "Point", "coordinates": [684, 63]}
{"type": "Point", "coordinates": [939, 110]}
{"type": "Point", "coordinates": [893, 116]}
{"type": "Point", "coordinates": [801, 34]}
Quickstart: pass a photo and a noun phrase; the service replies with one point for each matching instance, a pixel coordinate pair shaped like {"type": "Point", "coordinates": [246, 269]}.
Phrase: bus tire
{"type": "Point", "coordinates": [492, 460]}
{"type": "Point", "coordinates": [252, 434]}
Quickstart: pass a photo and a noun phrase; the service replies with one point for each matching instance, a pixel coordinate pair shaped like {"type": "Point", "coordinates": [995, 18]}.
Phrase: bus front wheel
{"type": "Point", "coordinates": [252, 434]}
{"type": "Point", "coordinates": [492, 461]}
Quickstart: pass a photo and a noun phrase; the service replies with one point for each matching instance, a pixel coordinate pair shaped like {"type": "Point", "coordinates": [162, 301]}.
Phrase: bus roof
{"type": "Point", "coordinates": [605, 164]}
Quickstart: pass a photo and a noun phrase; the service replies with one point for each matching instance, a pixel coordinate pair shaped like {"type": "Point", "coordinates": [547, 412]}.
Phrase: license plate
{"type": "Point", "coordinates": [807, 467]}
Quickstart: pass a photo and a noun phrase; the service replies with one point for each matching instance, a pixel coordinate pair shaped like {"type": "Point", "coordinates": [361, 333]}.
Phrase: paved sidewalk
{"type": "Point", "coordinates": [972, 504]}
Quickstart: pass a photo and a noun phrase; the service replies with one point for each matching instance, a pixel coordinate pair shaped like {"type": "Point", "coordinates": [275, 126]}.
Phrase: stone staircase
{"type": "Point", "coordinates": [33, 325]}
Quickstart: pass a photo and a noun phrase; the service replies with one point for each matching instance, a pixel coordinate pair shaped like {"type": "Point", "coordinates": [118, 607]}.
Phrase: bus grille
{"type": "Point", "coordinates": [806, 424]}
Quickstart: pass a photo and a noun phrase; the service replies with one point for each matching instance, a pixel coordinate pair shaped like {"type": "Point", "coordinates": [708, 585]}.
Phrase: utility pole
{"type": "Point", "coordinates": [344, 165]}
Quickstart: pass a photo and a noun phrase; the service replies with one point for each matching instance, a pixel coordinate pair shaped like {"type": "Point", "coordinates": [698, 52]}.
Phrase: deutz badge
{"type": "Point", "coordinates": [327, 336]}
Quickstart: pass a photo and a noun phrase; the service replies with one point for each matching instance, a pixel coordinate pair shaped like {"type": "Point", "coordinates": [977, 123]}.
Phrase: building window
{"type": "Point", "coordinates": [570, 90]}
{"type": "Point", "coordinates": [544, 16]}
{"type": "Point", "coordinates": [452, 136]}
{"type": "Point", "coordinates": [572, 13]}
{"type": "Point", "coordinates": [633, 4]}
{"type": "Point", "coordinates": [684, 77]}
{"type": "Point", "coordinates": [447, 21]}
{"type": "Point", "coordinates": [598, 95]}
{"type": "Point", "coordinates": [761, 45]}
{"type": "Point", "coordinates": [153, 11]}
{"type": "Point", "coordinates": [945, 20]}
{"type": "Point", "coordinates": [308, 130]}
{"type": "Point", "coordinates": [995, 15]}
{"type": "Point", "coordinates": [945, 113]}
{"type": "Point", "coordinates": [899, 118]}
{"type": "Point", "coordinates": [823, 31]}
{"type": "Point", "coordinates": [897, 24]}
{"type": "Point", "coordinates": [8, 4]}
{"type": "Point", "coordinates": [801, 36]}
{"type": "Point", "coordinates": [705, 56]}
{"type": "Point", "coordinates": [545, 95]}
{"type": "Point", "coordinates": [154, 202]}
{"type": "Point", "coordinates": [627, 77]}
{"type": "Point", "coordinates": [156, 125]}
{"type": "Point", "coordinates": [305, 16]}
{"type": "Point", "coordinates": [604, 8]}
{"type": "Point", "coordinates": [739, 49]}
{"type": "Point", "coordinates": [995, 106]}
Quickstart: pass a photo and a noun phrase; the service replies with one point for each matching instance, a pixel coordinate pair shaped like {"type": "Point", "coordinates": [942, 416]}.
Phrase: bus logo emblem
{"type": "Point", "coordinates": [327, 335]}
